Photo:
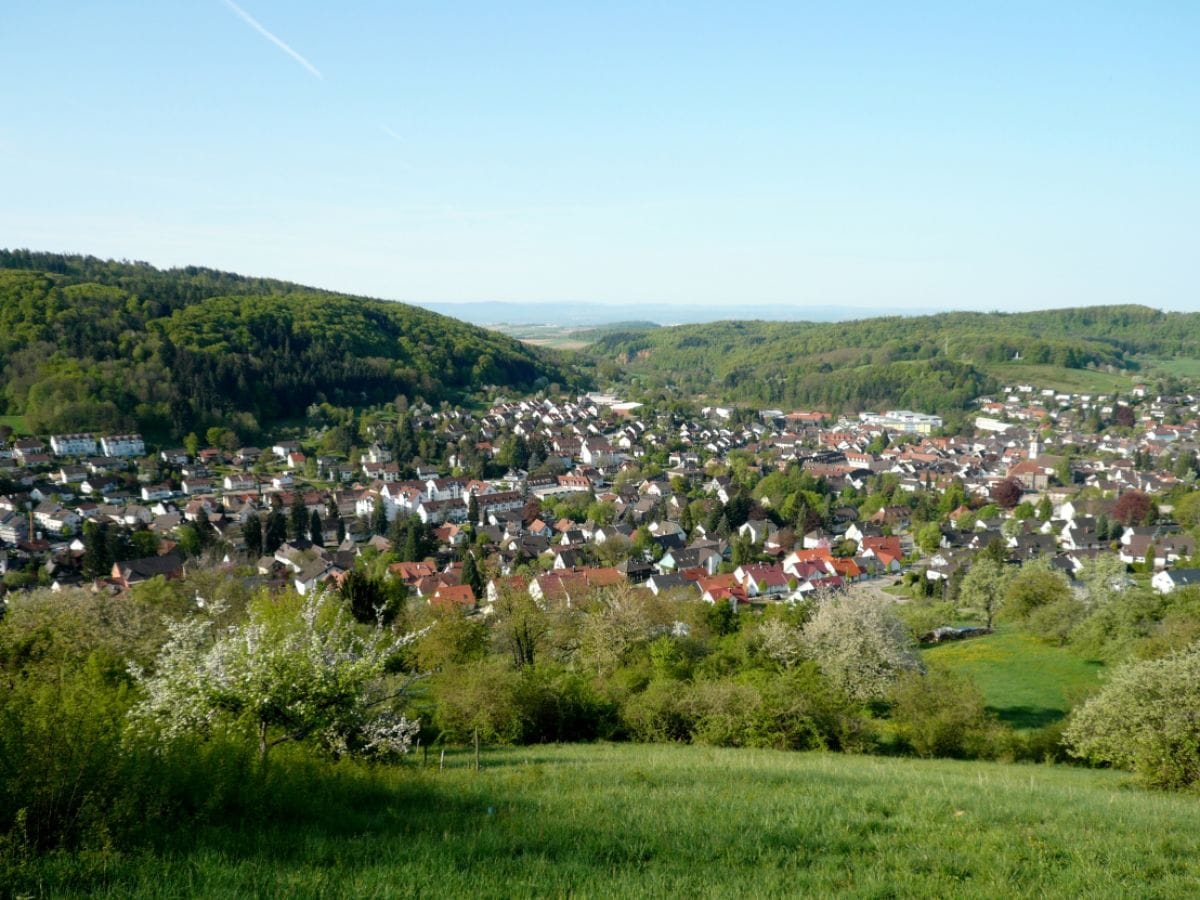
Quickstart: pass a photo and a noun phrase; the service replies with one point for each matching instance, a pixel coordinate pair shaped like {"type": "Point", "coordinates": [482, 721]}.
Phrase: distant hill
{"type": "Point", "coordinates": [934, 363]}
{"type": "Point", "coordinates": [94, 344]}
{"type": "Point", "coordinates": [583, 313]}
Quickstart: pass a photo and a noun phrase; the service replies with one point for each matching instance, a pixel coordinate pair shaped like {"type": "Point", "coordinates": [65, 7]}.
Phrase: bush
{"type": "Point", "coordinates": [658, 714]}
{"type": "Point", "coordinates": [1145, 719]}
{"type": "Point", "coordinates": [942, 714]}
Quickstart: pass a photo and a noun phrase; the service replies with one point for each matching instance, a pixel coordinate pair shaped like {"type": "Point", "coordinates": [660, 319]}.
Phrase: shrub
{"type": "Point", "coordinates": [943, 714]}
{"type": "Point", "coordinates": [1145, 719]}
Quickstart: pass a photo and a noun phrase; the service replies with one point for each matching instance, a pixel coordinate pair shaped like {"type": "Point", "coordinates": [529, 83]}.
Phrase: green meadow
{"type": "Point", "coordinates": [667, 821]}
{"type": "Point", "coordinates": [1060, 378]}
{"type": "Point", "coordinates": [1025, 681]}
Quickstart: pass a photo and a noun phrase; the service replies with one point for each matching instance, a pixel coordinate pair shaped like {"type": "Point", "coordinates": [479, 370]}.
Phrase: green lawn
{"type": "Point", "coordinates": [1027, 682]}
{"type": "Point", "coordinates": [1060, 378]}
{"type": "Point", "coordinates": [662, 821]}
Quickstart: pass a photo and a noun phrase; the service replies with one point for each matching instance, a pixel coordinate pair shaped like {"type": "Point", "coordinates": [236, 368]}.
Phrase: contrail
{"type": "Point", "coordinates": [257, 26]}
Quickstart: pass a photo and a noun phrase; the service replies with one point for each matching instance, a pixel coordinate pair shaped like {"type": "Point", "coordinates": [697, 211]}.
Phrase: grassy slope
{"type": "Point", "coordinates": [1026, 681]}
{"type": "Point", "coordinates": [17, 423]}
{"type": "Point", "coordinates": [621, 820]}
{"type": "Point", "coordinates": [1060, 378]}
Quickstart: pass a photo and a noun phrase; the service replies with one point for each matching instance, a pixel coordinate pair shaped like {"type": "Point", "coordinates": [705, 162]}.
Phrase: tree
{"type": "Point", "coordinates": [298, 517]}
{"type": "Point", "coordinates": [1045, 509]}
{"type": "Point", "coordinates": [191, 444]}
{"type": "Point", "coordinates": [316, 529]}
{"type": "Point", "coordinates": [471, 575]}
{"type": "Point", "coordinates": [1144, 719]}
{"type": "Point", "coordinates": [929, 537]}
{"type": "Point", "coordinates": [1133, 508]}
{"type": "Point", "coordinates": [1187, 509]}
{"type": "Point", "coordinates": [379, 519]}
{"type": "Point", "coordinates": [1007, 493]}
{"type": "Point", "coordinates": [275, 532]}
{"type": "Point", "coordinates": [520, 626]}
{"type": "Point", "coordinates": [311, 674]}
{"type": "Point", "coordinates": [982, 589]}
{"type": "Point", "coordinates": [1034, 586]}
{"type": "Point", "coordinates": [473, 509]}
{"type": "Point", "coordinates": [341, 530]}
{"type": "Point", "coordinates": [252, 534]}
{"type": "Point", "coordinates": [97, 560]}
{"type": "Point", "coordinates": [686, 521]}
{"type": "Point", "coordinates": [861, 645]}
{"type": "Point", "coordinates": [372, 599]}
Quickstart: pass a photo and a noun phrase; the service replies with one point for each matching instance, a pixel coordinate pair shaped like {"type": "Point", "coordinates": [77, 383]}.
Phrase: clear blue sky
{"type": "Point", "coordinates": [1001, 155]}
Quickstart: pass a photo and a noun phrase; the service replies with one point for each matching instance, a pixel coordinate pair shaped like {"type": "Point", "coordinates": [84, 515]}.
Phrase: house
{"type": "Point", "coordinates": [460, 595]}
{"type": "Point", "coordinates": [661, 583]}
{"type": "Point", "coordinates": [240, 483]}
{"type": "Point", "coordinates": [1169, 579]}
{"type": "Point", "coordinates": [122, 445]}
{"type": "Point", "coordinates": [134, 571]}
{"type": "Point", "coordinates": [73, 445]}
{"type": "Point", "coordinates": [283, 448]}
{"type": "Point", "coordinates": [314, 573]}
{"type": "Point", "coordinates": [689, 557]}
{"type": "Point", "coordinates": [568, 586]}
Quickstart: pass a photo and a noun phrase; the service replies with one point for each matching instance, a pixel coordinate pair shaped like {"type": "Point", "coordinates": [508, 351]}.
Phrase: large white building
{"type": "Point", "coordinates": [123, 445]}
{"type": "Point", "coordinates": [73, 445]}
{"type": "Point", "coordinates": [904, 420]}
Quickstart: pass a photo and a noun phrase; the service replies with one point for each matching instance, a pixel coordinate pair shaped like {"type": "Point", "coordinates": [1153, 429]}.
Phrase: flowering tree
{"type": "Point", "coordinates": [1144, 719]}
{"type": "Point", "coordinates": [315, 674]}
{"type": "Point", "coordinates": [861, 645]}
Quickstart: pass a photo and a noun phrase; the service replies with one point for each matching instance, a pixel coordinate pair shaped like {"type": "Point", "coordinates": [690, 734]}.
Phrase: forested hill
{"type": "Point", "coordinates": [933, 363]}
{"type": "Point", "coordinates": [100, 345]}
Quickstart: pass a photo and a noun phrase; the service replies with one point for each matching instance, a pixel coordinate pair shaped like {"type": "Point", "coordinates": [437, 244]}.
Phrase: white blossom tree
{"type": "Point", "coordinates": [861, 645]}
{"type": "Point", "coordinates": [314, 674]}
{"type": "Point", "coordinates": [1145, 719]}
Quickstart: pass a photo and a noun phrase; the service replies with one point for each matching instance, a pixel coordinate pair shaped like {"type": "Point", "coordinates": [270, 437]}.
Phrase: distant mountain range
{"type": "Point", "coordinates": [574, 312]}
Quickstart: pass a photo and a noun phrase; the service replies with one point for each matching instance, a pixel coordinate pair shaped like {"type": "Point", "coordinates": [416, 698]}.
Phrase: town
{"type": "Point", "coordinates": [557, 496]}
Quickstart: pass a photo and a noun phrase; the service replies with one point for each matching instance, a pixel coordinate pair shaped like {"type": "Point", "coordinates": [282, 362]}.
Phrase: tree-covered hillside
{"type": "Point", "coordinates": [94, 344]}
{"type": "Point", "coordinates": [936, 363]}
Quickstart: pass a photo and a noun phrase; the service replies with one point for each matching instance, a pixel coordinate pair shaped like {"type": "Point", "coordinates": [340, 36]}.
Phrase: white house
{"type": "Point", "coordinates": [73, 445]}
{"type": "Point", "coordinates": [1168, 579]}
{"type": "Point", "coordinates": [123, 445]}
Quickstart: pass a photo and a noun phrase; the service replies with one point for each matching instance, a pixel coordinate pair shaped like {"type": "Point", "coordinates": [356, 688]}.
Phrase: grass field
{"type": "Point", "coordinates": [16, 423]}
{"type": "Point", "coordinates": [662, 821]}
{"type": "Point", "coordinates": [1186, 368]}
{"type": "Point", "coordinates": [1027, 682]}
{"type": "Point", "coordinates": [558, 337]}
{"type": "Point", "coordinates": [1060, 378]}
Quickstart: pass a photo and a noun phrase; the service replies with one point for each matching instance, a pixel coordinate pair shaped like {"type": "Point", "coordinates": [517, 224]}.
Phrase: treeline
{"type": "Point", "coordinates": [935, 363]}
{"type": "Point", "coordinates": [94, 344]}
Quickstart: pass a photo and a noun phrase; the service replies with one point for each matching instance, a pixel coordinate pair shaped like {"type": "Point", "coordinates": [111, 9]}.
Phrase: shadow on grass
{"type": "Point", "coordinates": [1028, 717]}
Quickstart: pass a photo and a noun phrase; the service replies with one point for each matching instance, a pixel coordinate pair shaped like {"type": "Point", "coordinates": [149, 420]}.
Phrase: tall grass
{"type": "Point", "coordinates": [628, 820]}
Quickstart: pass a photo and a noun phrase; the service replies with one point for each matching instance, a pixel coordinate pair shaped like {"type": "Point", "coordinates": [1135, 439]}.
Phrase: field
{"type": "Point", "coordinates": [1060, 378]}
{"type": "Point", "coordinates": [16, 423]}
{"type": "Point", "coordinates": [558, 337]}
{"type": "Point", "coordinates": [1184, 367]}
{"type": "Point", "coordinates": [1027, 682]}
{"type": "Point", "coordinates": [667, 821]}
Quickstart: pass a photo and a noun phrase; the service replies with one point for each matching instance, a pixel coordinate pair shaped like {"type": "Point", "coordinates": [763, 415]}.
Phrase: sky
{"type": "Point", "coordinates": [981, 155]}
